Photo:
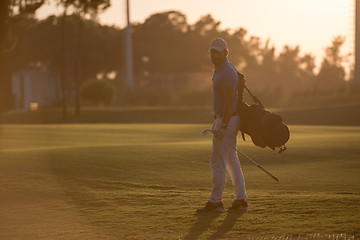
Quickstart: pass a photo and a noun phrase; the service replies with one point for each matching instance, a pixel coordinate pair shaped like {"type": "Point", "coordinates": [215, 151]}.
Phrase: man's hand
{"type": "Point", "coordinates": [220, 133]}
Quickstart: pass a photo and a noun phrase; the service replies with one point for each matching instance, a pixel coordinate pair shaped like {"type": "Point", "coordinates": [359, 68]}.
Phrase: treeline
{"type": "Point", "coordinates": [171, 60]}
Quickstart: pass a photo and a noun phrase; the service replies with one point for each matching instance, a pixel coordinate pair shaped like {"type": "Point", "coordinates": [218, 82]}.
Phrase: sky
{"type": "Point", "coordinates": [311, 24]}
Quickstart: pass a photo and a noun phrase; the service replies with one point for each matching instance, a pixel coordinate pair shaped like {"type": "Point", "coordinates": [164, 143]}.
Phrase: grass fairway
{"type": "Point", "coordinates": [144, 181]}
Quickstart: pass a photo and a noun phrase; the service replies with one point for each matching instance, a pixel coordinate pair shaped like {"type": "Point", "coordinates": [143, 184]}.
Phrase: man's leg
{"type": "Point", "coordinates": [234, 168]}
{"type": "Point", "coordinates": [233, 163]}
{"type": "Point", "coordinates": [237, 177]}
{"type": "Point", "coordinates": [218, 166]}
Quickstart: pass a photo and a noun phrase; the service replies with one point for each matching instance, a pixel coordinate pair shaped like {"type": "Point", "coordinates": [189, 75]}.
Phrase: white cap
{"type": "Point", "coordinates": [218, 44]}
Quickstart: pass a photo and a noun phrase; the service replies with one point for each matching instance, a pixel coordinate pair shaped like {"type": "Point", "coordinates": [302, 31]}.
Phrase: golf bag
{"type": "Point", "coordinates": [265, 128]}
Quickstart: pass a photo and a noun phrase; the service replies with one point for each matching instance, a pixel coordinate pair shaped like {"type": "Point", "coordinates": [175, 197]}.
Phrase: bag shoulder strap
{"type": "Point", "coordinates": [255, 99]}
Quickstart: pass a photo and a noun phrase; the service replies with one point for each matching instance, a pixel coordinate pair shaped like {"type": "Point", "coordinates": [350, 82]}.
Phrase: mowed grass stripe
{"type": "Point", "coordinates": [145, 181]}
{"type": "Point", "coordinates": [49, 148]}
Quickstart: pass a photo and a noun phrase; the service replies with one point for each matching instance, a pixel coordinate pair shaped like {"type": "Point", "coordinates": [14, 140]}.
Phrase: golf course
{"type": "Point", "coordinates": [124, 180]}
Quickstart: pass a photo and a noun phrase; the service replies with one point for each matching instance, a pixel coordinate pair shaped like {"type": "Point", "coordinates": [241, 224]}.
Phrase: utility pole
{"type": "Point", "coordinates": [128, 47]}
{"type": "Point", "coordinates": [357, 42]}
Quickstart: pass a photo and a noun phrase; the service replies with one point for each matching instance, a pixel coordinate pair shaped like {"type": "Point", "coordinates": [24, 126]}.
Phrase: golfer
{"type": "Point", "coordinates": [226, 127]}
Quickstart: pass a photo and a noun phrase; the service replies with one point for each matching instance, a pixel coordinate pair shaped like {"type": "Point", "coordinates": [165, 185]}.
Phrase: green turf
{"type": "Point", "coordinates": [144, 181]}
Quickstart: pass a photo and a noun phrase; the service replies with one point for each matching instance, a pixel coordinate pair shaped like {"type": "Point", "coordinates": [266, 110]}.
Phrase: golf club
{"type": "Point", "coordinates": [275, 178]}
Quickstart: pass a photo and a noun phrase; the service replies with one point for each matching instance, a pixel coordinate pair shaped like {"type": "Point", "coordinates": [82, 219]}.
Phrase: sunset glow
{"type": "Point", "coordinates": [308, 23]}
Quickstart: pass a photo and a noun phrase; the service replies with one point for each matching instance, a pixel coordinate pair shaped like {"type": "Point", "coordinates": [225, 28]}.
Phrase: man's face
{"type": "Point", "coordinates": [217, 58]}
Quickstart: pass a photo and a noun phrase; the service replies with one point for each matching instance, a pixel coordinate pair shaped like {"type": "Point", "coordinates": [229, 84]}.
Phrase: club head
{"type": "Point", "coordinates": [205, 131]}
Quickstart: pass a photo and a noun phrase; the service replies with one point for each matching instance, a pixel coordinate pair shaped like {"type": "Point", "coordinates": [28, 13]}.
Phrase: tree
{"type": "Point", "coordinates": [239, 52]}
{"type": "Point", "coordinates": [4, 14]}
{"type": "Point", "coordinates": [332, 72]}
{"type": "Point", "coordinates": [268, 66]}
{"type": "Point", "coordinates": [200, 35]}
{"type": "Point", "coordinates": [161, 39]}
{"type": "Point", "coordinates": [207, 26]}
{"type": "Point", "coordinates": [83, 8]}
{"type": "Point", "coordinates": [289, 66]}
{"type": "Point", "coordinates": [9, 10]}
{"type": "Point", "coordinates": [38, 46]}
{"type": "Point", "coordinates": [307, 75]}
{"type": "Point", "coordinates": [165, 45]}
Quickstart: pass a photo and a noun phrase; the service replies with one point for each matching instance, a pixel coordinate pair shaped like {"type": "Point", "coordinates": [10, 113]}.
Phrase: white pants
{"type": "Point", "coordinates": [223, 158]}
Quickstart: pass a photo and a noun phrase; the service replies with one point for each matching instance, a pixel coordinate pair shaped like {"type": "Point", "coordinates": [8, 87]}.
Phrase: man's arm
{"type": "Point", "coordinates": [229, 95]}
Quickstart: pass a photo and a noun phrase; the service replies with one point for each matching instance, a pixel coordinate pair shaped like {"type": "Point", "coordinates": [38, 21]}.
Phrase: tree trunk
{"type": "Point", "coordinates": [79, 68]}
{"type": "Point", "coordinates": [3, 19]}
{"type": "Point", "coordinates": [62, 66]}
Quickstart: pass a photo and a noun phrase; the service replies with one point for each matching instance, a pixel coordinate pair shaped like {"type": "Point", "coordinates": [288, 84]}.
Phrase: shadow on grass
{"type": "Point", "coordinates": [204, 221]}
{"type": "Point", "coordinates": [227, 224]}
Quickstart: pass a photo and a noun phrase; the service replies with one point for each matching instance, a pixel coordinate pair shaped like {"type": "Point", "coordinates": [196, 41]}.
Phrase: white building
{"type": "Point", "coordinates": [34, 89]}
